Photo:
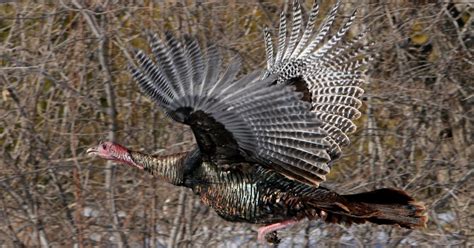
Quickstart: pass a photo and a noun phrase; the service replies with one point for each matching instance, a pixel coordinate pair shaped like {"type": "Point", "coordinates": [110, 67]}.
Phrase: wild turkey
{"type": "Point", "coordinates": [267, 140]}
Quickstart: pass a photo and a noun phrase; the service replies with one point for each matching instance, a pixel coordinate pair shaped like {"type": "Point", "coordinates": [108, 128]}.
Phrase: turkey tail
{"type": "Point", "coordinates": [383, 206]}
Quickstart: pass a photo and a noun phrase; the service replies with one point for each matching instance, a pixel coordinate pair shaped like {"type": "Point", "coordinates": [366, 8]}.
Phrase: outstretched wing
{"type": "Point", "coordinates": [329, 73]}
{"type": "Point", "coordinates": [246, 119]}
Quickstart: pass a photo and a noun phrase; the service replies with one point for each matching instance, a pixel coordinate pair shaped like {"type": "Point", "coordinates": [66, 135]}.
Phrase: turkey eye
{"type": "Point", "coordinates": [104, 146]}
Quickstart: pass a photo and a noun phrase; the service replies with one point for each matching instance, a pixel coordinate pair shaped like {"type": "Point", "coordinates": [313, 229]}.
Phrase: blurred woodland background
{"type": "Point", "coordinates": [65, 86]}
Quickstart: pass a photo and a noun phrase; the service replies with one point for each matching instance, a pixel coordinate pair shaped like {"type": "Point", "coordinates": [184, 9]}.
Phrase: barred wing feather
{"type": "Point", "coordinates": [247, 119]}
{"type": "Point", "coordinates": [330, 72]}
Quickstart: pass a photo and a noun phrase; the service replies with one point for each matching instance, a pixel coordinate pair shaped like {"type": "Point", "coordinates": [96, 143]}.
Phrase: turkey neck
{"type": "Point", "coordinates": [169, 168]}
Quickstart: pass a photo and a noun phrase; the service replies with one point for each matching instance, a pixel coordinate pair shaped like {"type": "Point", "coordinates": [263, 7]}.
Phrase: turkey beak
{"type": "Point", "coordinates": [91, 151]}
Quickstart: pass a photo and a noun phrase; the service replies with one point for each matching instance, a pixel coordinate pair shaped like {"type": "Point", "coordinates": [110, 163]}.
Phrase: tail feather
{"type": "Point", "coordinates": [383, 207]}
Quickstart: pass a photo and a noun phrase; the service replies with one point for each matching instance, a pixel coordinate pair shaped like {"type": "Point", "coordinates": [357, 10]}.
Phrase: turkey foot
{"type": "Point", "coordinates": [272, 238]}
{"type": "Point", "coordinates": [263, 231]}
